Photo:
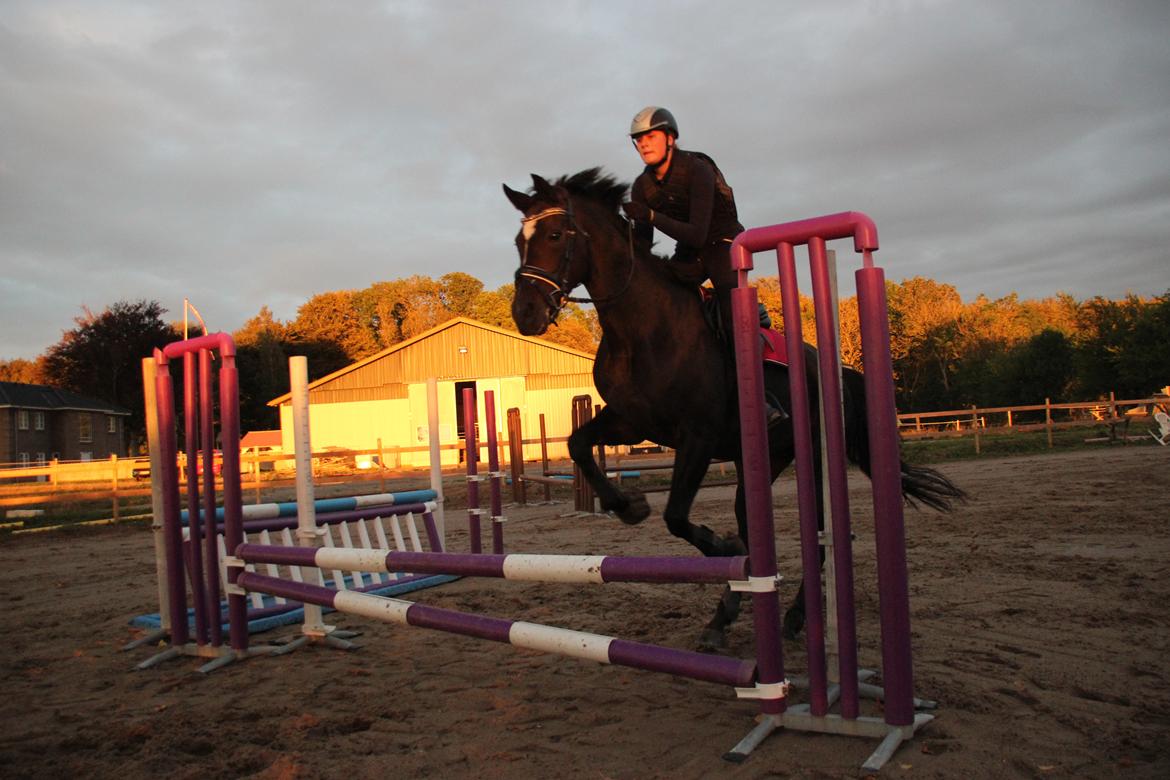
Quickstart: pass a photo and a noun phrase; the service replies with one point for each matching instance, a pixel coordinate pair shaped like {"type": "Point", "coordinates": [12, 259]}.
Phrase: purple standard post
{"type": "Point", "coordinates": [757, 481]}
{"type": "Point", "coordinates": [211, 551]}
{"type": "Point", "coordinates": [472, 457]}
{"type": "Point", "coordinates": [229, 405]}
{"type": "Point", "coordinates": [834, 436]}
{"type": "Point", "coordinates": [886, 476]}
{"type": "Point", "coordinates": [195, 544]}
{"type": "Point", "coordinates": [807, 487]}
{"type": "Point", "coordinates": [489, 402]}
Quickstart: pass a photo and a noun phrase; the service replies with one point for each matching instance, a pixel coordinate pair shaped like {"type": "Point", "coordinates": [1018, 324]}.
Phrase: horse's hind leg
{"type": "Point", "coordinates": [714, 634]}
{"type": "Point", "coordinates": [630, 506]}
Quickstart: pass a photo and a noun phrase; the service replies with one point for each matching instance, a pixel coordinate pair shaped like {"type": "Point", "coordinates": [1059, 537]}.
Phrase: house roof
{"type": "Point", "coordinates": [261, 439]}
{"type": "Point", "coordinates": [21, 396]}
{"type": "Point", "coordinates": [451, 323]}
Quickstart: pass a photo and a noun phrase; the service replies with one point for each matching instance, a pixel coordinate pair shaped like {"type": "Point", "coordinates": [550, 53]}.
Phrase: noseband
{"type": "Point", "coordinates": [555, 287]}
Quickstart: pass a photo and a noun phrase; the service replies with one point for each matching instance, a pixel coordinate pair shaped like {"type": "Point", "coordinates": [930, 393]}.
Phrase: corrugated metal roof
{"type": "Point", "coordinates": [22, 396]}
{"type": "Point", "coordinates": [460, 348]}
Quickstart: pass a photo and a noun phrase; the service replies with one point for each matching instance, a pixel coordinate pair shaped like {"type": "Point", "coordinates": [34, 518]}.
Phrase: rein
{"type": "Point", "coordinates": [558, 295]}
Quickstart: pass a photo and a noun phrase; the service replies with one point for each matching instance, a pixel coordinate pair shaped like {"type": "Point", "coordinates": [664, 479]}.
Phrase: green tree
{"type": "Point", "coordinates": [102, 356]}
{"type": "Point", "coordinates": [263, 370]}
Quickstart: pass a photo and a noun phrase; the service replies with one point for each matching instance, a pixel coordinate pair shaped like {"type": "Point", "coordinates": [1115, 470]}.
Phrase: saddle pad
{"type": "Point", "coordinates": [775, 349]}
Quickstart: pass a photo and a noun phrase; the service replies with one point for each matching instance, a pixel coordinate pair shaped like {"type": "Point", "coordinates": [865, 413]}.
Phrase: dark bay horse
{"type": "Point", "coordinates": [661, 370]}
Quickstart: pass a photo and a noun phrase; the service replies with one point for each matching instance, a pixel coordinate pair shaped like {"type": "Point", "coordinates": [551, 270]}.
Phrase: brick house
{"type": "Point", "coordinates": [39, 423]}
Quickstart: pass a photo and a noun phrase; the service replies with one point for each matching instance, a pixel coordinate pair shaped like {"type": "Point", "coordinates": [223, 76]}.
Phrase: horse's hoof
{"type": "Point", "coordinates": [731, 545]}
{"type": "Point", "coordinates": [711, 640]}
{"type": "Point", "coordinates": [636, 510]}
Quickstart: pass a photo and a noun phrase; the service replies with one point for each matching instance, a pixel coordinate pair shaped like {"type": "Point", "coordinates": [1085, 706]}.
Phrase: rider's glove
{"type": "Point", "coordinates": [638, 212]}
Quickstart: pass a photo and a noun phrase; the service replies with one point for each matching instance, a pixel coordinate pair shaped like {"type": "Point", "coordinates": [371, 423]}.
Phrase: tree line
{"type": "Point", "coordinates": [947, 353]}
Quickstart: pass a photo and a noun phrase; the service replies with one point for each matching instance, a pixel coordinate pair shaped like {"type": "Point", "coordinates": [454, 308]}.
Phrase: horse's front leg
{"type": "Point", "coordinates": [690, 466]}
{"type": "Point", "coordinates": [629, 505]}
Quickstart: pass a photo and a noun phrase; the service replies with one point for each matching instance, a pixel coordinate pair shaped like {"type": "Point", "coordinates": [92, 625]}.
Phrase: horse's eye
{"type": "Point", "coordinates": [554, 236]}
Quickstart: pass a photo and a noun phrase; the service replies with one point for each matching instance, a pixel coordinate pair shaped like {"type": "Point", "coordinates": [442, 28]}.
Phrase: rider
{"type": "Point", "coordinates": [684, 195]}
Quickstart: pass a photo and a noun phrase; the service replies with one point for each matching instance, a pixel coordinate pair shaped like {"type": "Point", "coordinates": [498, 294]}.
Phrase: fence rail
{"type": "Point", "coordinates": [120, 479]}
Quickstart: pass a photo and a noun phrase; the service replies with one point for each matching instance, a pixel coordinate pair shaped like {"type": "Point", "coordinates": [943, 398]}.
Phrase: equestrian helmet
{"type": "Point", "coordinates": [653, 118]}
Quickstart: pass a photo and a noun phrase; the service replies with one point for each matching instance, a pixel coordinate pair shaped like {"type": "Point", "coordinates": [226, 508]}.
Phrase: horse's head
{"type": "Point", "coordinates": [552, 261]}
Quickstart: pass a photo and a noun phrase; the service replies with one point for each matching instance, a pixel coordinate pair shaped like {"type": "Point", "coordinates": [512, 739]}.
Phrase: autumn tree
{"type": "Point", "coordinates": [330, 330]}
{"type": "Point", "coordinates": [26, 372]}
{"type": "Point", "coordinates": [102, 356]}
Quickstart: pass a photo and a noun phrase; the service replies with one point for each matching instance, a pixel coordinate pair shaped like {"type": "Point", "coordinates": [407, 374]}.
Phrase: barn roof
{"type": "Point", "coordinates": [547, 347]}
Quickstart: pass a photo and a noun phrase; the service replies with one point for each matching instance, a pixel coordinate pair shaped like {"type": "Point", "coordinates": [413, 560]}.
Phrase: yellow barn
{"type": "Point", "coordinates": [385, 395]}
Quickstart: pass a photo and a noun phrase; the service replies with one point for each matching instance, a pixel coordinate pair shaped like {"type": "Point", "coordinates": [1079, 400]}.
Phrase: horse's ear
{"type": "Point", "coordinates": [544, 190]}
{"type": "Point", "coordinates": [519, 199]}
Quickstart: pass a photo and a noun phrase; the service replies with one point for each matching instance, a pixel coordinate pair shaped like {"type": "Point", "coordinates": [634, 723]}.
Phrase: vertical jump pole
{"type": "Point", "coordinates": [192, 431]}
{"type": "Point", "coordinates": [772, 687]}
{"type": "Point", "coordinates": [886, 476]}
{"type": "Point", "coordinates": [435, 455]}
{"type": "Point", "coordinates": [828, 353]}
{"type": "Point", "coordinates": [807, 488]}
{"type": "Point", "coordinates": [494, 474]}
{"type": "Point", "coordinates": [471, 450]}
{"type": "Point", "coordinates": [308, 534]}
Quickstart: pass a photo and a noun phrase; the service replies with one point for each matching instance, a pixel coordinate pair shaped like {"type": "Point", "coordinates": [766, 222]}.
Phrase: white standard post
{"type": "Point", "coordinates": [436, 463]}
{"type": "Point", "coordinates": [308, 534]}
{"type": "Point", "coordinates": [830, 568]}
{"type": "Point", "coordinates": [156, 490]}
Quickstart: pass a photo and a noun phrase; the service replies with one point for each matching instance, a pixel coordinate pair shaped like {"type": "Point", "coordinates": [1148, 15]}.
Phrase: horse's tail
{"type": "Point", "coordinates": [920, 484]}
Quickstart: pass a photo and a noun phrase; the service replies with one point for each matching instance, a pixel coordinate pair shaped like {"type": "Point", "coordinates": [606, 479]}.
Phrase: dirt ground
{"type": "Point", "coordinates": [1041, 618]}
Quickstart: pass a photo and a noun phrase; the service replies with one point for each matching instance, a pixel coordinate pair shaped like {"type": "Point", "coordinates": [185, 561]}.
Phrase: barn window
{"type": "Point", "coordinates": [22, 419]}
{"type": "Point", "coordinates": [84, 429]}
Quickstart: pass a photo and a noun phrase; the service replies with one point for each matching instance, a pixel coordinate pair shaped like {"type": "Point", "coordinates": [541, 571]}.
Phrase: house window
{"type": "Point", "coordinates": [85, 429]}
{"type": "Point", "coordinates": [40, 459]}
{"type": "Point", "coordinates": [85, 457]}
{"type": "Point", "coordinates": [24, 460]}
{"type": "Point", "coordinates": [39, 421]}
{"type": "Point", "coordinates": [111, 424]}
{"type": "Point", "coordinates": [22, 419]}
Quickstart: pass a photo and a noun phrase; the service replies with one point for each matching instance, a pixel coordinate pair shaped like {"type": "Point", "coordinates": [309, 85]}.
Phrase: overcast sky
{"type": "Point", "coordinates": [245, 154]}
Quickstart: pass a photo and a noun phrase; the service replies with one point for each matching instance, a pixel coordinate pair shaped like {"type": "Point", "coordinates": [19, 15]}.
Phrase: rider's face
{"type": "Point", "coordinates": [653, 146]}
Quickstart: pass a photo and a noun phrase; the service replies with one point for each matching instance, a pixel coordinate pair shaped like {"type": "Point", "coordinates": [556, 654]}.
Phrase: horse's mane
{"type": "Point", "coordinates": [605, 190]}
{"type": "Point", "coordinates": [596, 185]}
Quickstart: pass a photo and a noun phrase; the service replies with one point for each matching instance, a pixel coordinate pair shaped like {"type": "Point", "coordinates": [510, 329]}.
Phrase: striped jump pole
{"type": "Point", "coordinates": [533, 636]}
{"type": "Point", "coordinates": [596, 569]}
{"type": "Point", "coordinates": [900, 719]}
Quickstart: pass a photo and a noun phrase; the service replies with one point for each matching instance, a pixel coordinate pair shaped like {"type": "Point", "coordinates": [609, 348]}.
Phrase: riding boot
{"type": "Point", "coordinates": [773, 410]}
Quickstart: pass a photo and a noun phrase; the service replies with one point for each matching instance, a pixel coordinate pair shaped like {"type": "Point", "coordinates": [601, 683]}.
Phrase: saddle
{"type": "Point", "coordinates": [775, 350]}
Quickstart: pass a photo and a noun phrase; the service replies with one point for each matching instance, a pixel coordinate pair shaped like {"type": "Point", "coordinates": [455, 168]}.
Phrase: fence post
{"type": "Point", "coordinates": [975, 425]}
{"type": "Point", "coordinates": [114, 482]}
{"type": "Point", "coordinates": [544, 459]}
{"type": "Point", "coordinates": [1048, 419]}
{"type": "Point", "coordinates": [381, 467]}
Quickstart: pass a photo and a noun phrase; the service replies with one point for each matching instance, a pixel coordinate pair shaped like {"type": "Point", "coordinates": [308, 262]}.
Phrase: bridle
{"type": "Point", "coordinates": [555, 287]}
